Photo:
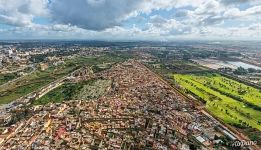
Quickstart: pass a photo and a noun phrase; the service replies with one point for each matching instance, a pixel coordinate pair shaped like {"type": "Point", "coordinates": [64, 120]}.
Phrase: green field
{"type": "Point", "coordinates": [233, 102]}
{"type": "Point", "coordinates": [62, 93]}
{"type": "Point", "coordinates": [85, 90]}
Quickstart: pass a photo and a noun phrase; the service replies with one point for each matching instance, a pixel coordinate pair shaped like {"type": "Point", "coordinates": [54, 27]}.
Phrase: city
{"type": "Point", "coordinates": [130, 75]}
{"type": "Point", "coordinates": [115, 98]}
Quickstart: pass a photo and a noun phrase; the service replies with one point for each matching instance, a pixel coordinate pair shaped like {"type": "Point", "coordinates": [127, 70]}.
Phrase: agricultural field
{"type": "Point", "coordinates": [85, 90]}
{"type": "Point", "coordinates": [235, 103]}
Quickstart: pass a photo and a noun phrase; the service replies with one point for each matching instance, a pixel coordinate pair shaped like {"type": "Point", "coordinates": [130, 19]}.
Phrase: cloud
{"type": "Point", "coordinates": [209, 13]}
{"type": "Point", "coordinates": [212, 13]}
{"type": "Point", "coordinates": [103, 14]}
{"type": "Point", "coordinates": [167, 27]}
{"type": "Point", "coordinates": [140, 19]}
{"type": "Point", "coordinates": [236, 13]}
{"type": "Point", "coordinates": [181, 13]}
{"type": "Point", "coordinates": [234, 1]}
{"type": "Point", "coordinates": [255, 27]}
{"type": "Point", "coordinates": [22, 12]}
{"type": "Point", "coordinates": [157, 20]}
{"type": "Point", "coordinates": [210, 7]}
{"type": "Point", "coordinates": [93, 14]}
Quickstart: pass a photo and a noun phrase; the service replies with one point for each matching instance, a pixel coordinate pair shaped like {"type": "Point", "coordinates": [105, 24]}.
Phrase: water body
{"type": "Point", "coordinates": [244, 65]}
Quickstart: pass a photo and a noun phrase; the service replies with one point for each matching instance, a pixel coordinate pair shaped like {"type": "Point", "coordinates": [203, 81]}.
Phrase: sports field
{"type": "Point", "coordinates": [233, 102]}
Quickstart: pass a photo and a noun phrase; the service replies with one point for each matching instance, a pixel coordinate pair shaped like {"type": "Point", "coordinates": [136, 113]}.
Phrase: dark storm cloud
{"type": "Point", "coordinates": [92, 14]}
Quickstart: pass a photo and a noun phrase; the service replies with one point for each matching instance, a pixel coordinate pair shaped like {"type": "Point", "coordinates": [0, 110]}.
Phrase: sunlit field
{"type": "Point", "coordinates": [233, 102]}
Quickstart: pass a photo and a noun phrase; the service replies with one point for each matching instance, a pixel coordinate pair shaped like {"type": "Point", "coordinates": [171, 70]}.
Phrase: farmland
{"type": "Point", "coordinates": [235, 103]}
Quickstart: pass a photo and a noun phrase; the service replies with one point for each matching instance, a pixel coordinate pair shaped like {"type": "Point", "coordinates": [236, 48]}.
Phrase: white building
{"type": "Point", "coordinates": [1, 60]}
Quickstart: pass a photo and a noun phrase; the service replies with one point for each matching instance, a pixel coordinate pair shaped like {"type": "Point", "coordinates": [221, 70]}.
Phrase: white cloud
{"type": "Point", "coordinates": [22, 12]}
{"type": "Point", "coordinates": [107, 18]}
{"type": "Point", "coordinates": [157, 20]}
{"type": "Point", "coordinates": [255, 27]}
{"type": "Point", "coordinates": [166, 27]}
{"type": "Point", "coordinates": [210, 7]}
{"type": "Point", "coordinates": [236, 13]}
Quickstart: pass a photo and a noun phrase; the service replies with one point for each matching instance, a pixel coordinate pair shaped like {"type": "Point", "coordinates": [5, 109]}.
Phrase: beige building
{"type": "Point", "coordinates": [43, 66]}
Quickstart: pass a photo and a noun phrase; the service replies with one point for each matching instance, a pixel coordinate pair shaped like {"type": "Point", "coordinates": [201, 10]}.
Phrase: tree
{"type": "Point", "coordinates": [240, 71]}
{"type": "Point", "coordinates": [251, 70]}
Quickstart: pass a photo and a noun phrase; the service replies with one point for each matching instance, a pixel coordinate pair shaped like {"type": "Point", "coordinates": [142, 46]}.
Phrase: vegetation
{"type": "Point", "coordinates": [243, 71]}
{"type": "Point", "coordinates": [71, 91]}
{"type": "Point", "coordinates": [32, 82]}
{"type": "Point", "coordinates": [234, 102]}
{"type": "Point", "coordinates": [7, 77]}
{"type": "Point", "coordinates": [62, 93]}
{"type": "Point", "coordinates": [184, 67]}
{"type": "Point", "coordinates": [38, 79]}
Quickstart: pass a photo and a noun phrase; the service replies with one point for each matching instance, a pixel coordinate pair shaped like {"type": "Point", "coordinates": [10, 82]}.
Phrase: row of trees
{"type": "Point", "coordinates": [238, 98]}
{"type": "Point", "coordinates": [242, 71]}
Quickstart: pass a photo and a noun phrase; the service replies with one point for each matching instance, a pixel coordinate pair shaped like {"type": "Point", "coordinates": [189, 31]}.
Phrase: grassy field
{"type": "Point", "coordinates": [62, 93]}
{"type": "Point", "coordinates": [85, 90]}
{"type": "Point", "coordinates": [233, 102]}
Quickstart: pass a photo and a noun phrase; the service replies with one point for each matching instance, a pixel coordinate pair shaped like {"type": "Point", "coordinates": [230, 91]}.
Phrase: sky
{"type": "Point", "coordinates": [161, 20]}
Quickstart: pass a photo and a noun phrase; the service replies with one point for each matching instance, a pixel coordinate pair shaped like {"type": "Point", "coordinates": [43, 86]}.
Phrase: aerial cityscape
{"type": "Point", "coordinates": [130, 75]}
